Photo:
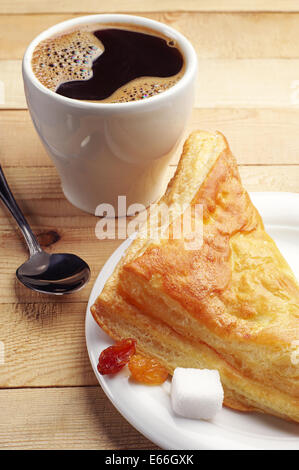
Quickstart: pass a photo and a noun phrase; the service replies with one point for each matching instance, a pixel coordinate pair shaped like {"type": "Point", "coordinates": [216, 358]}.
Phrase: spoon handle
{"type": "Point", "coordinates": [12, 206]}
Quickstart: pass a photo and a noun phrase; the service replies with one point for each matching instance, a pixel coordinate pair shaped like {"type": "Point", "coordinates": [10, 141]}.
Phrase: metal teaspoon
{"type": "Point", "coordinates": [58, 274]}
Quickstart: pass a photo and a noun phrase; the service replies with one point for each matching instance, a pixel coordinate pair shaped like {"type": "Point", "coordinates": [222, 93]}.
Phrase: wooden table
{"type": "Point", "coordinates": [248, 88]}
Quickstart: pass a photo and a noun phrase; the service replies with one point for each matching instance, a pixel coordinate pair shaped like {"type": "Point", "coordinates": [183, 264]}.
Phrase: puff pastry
{"type": "Point", "coordinates": [232, 304]}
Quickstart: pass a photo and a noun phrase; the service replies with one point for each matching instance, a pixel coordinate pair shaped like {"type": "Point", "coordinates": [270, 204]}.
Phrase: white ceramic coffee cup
{"type": "Point", "coordinates": [104, 150]}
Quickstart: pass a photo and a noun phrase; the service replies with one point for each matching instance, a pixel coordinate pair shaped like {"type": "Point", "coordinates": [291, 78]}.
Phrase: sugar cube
{"type": "Point", "coordinates": [196, 393]}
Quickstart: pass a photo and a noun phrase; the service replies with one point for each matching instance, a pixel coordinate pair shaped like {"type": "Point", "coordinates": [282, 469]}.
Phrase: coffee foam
{"type": "Point", "coordinates": [141, 88]}
{"type": "Point", "coordinates": [70, 56]}
{"type": "Point", "coordinates": [65, 58]}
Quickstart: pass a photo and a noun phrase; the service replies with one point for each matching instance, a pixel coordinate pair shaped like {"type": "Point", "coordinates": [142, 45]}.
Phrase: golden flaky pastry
{"type": "Point", "coordinates": [232, 304]}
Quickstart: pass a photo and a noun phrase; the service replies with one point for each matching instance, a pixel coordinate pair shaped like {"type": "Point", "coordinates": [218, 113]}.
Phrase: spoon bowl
{"type": "Point", "coordinates": [61, 273]}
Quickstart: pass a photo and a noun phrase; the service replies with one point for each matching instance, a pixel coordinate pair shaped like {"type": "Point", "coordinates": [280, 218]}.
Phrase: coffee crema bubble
{"type": "Point", "coordinates": [108, 64]}
{"type": "Point", "coordinates": [65, 58]}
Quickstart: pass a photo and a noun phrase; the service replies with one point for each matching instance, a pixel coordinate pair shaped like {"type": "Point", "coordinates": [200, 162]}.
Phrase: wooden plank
{"type": "Point", "coordinates": [59, 233]}
{"type": "Point", "coordinates": [44, 345]}
{"type": "Point", "coordinates": [127, 6]}
{"type": "Point", "coordinates": [24, 150]}
{"type": "Point", "coordinates": [41, 183]}
{"type": "Point", "coordinates": [72, 418]}
{"type": "Point", "coordinates": [256, 136]}
{"type": "Point", "coordinates": [53, 218]}
{"type": "Point", "coordinates": [29, 194]}
{"type": "Point", "coordinates": [42, 201]}
{"type": "Point", "coordinates": [83, 241]}
{"type": "Point", "coordinates": [39, 192]}
{"type": "Point", "coordinates": [28, 184]}
{"type": "Point", "coordinates": [248, 83]}
{"type": "Point", "coordinates": [11, 85]}
{"type": "Point", "coordinates": [270, 178]}
{"type": "Point", "coordinates": [214, 35]}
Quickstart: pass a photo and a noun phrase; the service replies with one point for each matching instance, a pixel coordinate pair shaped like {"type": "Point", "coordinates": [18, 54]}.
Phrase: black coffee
{"type": "Point", "coordinates": [110, 64]}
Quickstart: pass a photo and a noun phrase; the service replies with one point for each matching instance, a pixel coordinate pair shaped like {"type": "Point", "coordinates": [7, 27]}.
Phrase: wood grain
{"type": "Point", "coordinates": [64, 418]}
{"type": "Point", "coordinates": [51, 215]}
{"type": "Point", "coordinates": [82, 241]}
{"type": "Point", "coordinates": [213, 35]}
{"type": "Point", "coordinates": [29, 185]}
{"type": "Point", "coordinates": [128, 6]}
{"type": "Point", "coordinates": [247, 83]}
{"type": "Point", "coordinates": [221, 83]}
{"type": "Point", "coordinates": [44, 344]}
{"type": "Point", "coordinates": [11, 85]}
{"type": "Point", "coordinates": [256, 136]}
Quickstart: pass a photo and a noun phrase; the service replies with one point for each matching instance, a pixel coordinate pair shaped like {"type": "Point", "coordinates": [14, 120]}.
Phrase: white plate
{"type": "Point", "coordinates": [148, 408]}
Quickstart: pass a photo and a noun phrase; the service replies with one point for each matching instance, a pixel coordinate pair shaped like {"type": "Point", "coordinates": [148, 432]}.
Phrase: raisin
{"type": "Point", "coordinates": [114, 358]}
{"type": "Point", "coordinates": [146, 370]}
